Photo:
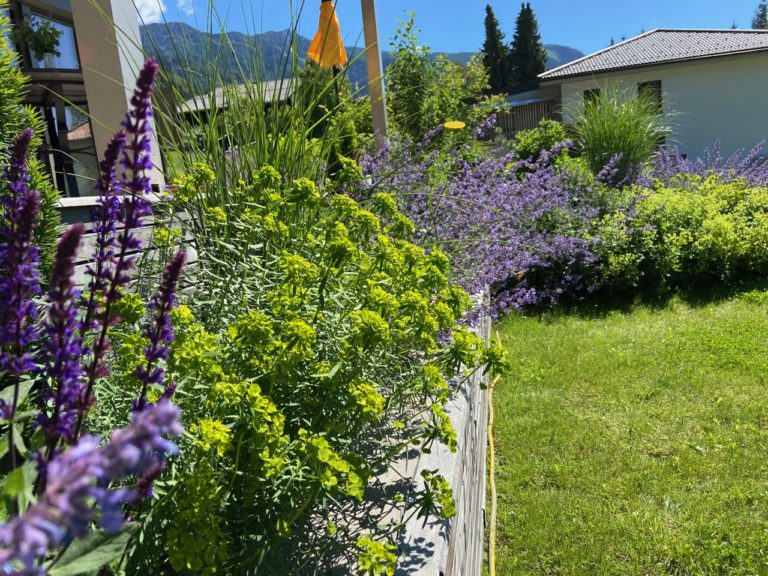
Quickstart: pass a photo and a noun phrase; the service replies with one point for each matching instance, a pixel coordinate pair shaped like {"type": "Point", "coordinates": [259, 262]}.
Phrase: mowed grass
{"type": "Point", "coordinates": [635, 443]}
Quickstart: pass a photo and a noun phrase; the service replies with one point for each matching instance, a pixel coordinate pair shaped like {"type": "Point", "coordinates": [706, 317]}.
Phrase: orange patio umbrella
{"type": "Point", "coordinates": [327, 47]}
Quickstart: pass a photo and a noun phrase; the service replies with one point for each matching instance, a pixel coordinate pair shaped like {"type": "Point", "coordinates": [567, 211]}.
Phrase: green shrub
{"type": "Point", "coordinates": [310, 358]}
{"type": "Point", "coordinates": [315, 351]}
{"type": "Point", "coordinates": [619, 122]}
{"type": "Point", "coordinates": [529, 144]}
{"type": "Point", "coordinates": [425, 92]}
{"type": "Point", "coordinates": [667, 237]}
{"type": "Point", "coordinates": [14, 117]}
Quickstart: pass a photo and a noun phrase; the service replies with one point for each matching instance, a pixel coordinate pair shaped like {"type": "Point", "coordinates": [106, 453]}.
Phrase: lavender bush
{"type": "Point", "coordinates": [51, 359]}
{"type": "Point", "coordinates": [750, 166]}
{"type": "Point", "coordinates": [519, 226]}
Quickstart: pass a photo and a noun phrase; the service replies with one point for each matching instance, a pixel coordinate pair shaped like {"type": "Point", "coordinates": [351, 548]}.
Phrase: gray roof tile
{"type": "Point", "coordinates": [663, 46]}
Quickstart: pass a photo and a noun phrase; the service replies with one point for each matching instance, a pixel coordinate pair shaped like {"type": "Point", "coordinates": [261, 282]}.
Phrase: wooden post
{"type": "Point", "coordinates": [375, 73]}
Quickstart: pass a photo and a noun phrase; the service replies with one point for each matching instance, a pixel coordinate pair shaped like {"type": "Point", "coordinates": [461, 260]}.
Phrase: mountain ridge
{"type": "Point", "coordinates": [163, 41]}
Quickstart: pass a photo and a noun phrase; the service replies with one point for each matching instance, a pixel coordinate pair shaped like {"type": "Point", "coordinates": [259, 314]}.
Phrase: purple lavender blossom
{"type": "Point", "coordinates": [610, 174]}
{"type": "Point", "coordinates": [160, 331]}
{"type": "Point", "coordinates": [18, 261]}
{"type": "Point", "coordinates": [64, 342]}
{"type": "Point", "coordinates": [517, 226]}
{"type": "Point", "coordinates": [487, 128]}
{"type": "Point", "coordinates": [751, 166]}
{"type": "Point", "coordinates": [82, 475]}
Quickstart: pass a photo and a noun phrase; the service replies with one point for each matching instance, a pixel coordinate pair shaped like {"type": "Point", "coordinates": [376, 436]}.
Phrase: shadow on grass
{"type": "Point", "coordinates": [701, 292]}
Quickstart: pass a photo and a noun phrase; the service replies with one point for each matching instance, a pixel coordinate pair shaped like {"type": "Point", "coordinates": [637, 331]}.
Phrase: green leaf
{"type": "Point", "coordinates": [24, 387]}
{"type": "Point", "coordinates": [87, 556]}
{"type": "Point", "coordinates": [19, 485]}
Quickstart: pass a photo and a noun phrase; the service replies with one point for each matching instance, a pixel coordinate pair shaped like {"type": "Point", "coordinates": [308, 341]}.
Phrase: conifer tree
{"type": "Point", "coordinates": [528, 57]}
{"type": "Point", "coordinates": [495, 54]}
{"type": "Point", "coordinates": [760, 21]}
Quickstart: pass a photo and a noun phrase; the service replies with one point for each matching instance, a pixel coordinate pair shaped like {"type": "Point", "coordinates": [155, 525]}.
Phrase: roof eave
{"type": "Point", "coordinates": [544, 79]}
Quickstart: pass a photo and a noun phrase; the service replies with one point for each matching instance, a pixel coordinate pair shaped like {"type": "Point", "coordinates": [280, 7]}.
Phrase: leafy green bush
{"type": "Point", "coordinates": [625, 126]}
{"type": "Point", "coordinates": [317, 348]}
{"type": "Point", "coordinates": [425, 92]}
{"type": "Point", "coordinates": [529, 144]}
{"type": "Point", "coordinates": [667, 237]}
{"type": "Point", "coordinates": [308, 361]}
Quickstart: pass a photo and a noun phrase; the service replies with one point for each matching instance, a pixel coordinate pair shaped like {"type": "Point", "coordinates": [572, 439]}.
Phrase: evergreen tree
{"type": "Point", "coordinates": [527, 57]}
{"type": "Point", "coordinates": [495, 54]}
{"type": "Point", "coordinates": [760, 21]}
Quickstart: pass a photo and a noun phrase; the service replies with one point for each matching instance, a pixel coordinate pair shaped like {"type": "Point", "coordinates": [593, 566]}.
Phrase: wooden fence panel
{"type": "Point", "coordinates": [453, 547]}
{"type": "Point", "coordinates": [525, 117]}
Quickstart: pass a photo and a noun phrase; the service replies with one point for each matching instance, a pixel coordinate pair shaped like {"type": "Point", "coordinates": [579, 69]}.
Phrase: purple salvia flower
{"type": "Point", "coordinates": [146, 482]}
{"type": "Point", "coordinates": [19, 282]}
{"type": "Point", "coordinates": [81, 477]}
{"type": "Point", "coordinates": [18, 261]}
{"type": "Point", "coordinates": [170, 390]}
{"type": "Point", "coordinates": [136, 162]}
{"type": "Point", "coordinates": [160, 331]}
{"type": "Point", "coordinates": [64, 343]}
{"type": "Point", "coordinates": [106, 214]}
{"type": "Point", "coordinates": [6, 410]}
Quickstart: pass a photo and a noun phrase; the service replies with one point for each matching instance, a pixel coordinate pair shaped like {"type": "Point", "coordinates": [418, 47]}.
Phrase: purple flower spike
{"type": "Point", "coordinates": [64, 346]}
{"type": "Point", "coordinates": [18, 261]}
{"type": "Point", "coordinates": [81, 476]}
{"type": "Point", "coordinates": [160, 331]}
{"type": "Point", "coordinates": [106, 214]}
{"type": "Point", "coordinates": [136, 161]}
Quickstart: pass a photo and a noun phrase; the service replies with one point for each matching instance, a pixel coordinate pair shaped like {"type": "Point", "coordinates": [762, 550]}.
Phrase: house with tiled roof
{"type": "Point", "coordinates": [713, 84]}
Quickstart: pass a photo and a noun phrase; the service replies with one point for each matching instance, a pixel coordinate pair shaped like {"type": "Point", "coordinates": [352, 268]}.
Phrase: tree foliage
{"type": "Point", "coordinates": [760, 20]}
{"type": "Point", "coordinates": [527, 57]}
{"type": "Point", "coordinates": [426, 91]}
{"type": "Point", "coordinates": [495, 54]}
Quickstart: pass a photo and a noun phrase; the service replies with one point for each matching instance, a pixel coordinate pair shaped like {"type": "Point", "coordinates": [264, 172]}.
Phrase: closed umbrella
{"type": "Point", "coordinates": [327, 47]}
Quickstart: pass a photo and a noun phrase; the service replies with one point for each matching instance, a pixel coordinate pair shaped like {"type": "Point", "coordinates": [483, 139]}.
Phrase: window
{"type": "Point", "coordinates": [591, 95]}
{"type": "Point", "coordinates": [653, 91]}
{"type": "Point", "coordinates": [67, 48]}
{"type": "Point", "coordinates": [70, 151]}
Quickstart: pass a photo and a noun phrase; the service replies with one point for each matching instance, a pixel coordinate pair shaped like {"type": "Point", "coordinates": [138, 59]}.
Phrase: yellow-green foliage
{"type": "Point", "coordinates": [529, 144]}
{"type": "Point", "coordinates": [698, 229]}
{"type": "Point", "coordinates": [312, 357]}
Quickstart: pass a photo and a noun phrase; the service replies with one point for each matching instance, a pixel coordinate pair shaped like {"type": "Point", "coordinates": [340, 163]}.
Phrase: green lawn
{"type": "Point", "coordinates": [635, 443]}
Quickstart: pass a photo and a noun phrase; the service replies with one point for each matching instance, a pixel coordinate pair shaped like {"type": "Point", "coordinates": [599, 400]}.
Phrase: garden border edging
{"type": "Point", "coordinates": [454, 547]}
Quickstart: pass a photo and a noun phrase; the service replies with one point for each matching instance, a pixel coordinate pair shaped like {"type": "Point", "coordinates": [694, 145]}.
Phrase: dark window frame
{"type": "Point", "coordinates": [654, 88]}
{"type": "Point", "coordinates": [591, 95]}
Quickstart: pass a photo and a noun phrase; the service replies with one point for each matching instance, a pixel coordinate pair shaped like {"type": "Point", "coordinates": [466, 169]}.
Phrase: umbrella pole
{"type": "Point", "coordinates": [375, 73]}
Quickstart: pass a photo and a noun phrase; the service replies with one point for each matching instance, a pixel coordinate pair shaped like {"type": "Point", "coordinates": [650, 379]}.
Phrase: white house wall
{"type": "Point", "coordinates": [723, 98]}
{"type": "Point", "coordinates": [109, 44]}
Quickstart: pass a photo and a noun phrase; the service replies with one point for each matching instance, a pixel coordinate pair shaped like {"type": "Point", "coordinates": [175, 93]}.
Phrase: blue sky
{"type": "Point", "coordinates": [457, 25]}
